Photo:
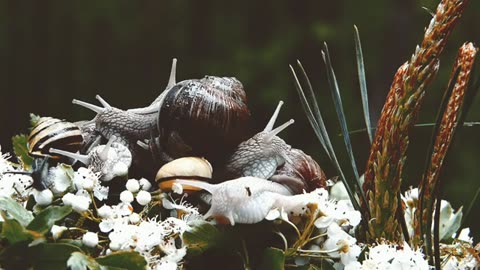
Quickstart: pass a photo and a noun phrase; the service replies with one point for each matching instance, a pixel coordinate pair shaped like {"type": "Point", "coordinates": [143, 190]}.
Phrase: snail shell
{"type": "Point", "coordinates": [205, 117]}
{"type": "Point", "coordinates": [267, 156]}
{"type": "Point", "coordinates": [302, 166]}
{"type": "Point", "coordinates": [49, 133]}
{"type": "Point", "coordinates": [184, 168]}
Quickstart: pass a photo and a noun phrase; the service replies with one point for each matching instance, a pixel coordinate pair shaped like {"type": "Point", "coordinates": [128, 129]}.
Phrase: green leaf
{"type": "Point", "coordinates": [13, 256]}
{"type": "Point", "coordinates": [363, 83]}
{"type": "Point", "coordinates": [130, 260]}
{"type": "Point", "coordinates": [45, 219]}
{"type": "Point", "coordinates": [80, 261]}
{"type": "Point", "coordinates": [201, 238]}
{"type": "Point", "coordinates": [273, 259]}
{"type": "Point", "coordinates": [14, 232]}
{"type": "Point", "coordinates": [34, 119]}
{"type": "Point", "coordinates": [15, 210]}
{"type": "Point", "coordinates": [20, 148]}
{"type": "Point", "coordinates": [52, 255]}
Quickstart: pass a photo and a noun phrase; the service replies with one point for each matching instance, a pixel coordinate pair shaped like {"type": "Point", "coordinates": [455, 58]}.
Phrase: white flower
{"type": "Point", "coordinates": [79, 203]}
{"type": "Point", "coordinates": [90, 239]}
{"type": "Point", "coordinates": [60, 181]}
{"type": "Point", "coordinates": [11, 184]}
{"type": "Point", "coordinates": [57, 231]}
{"type": "Point", "coordinates": [449, 221]}
{"type": "Point", "coordinates": [393, 256]}
{"type": "Point", "coordinates": [165, 265]}
{"type": "Point", "coordinates": [177, 188]}
{"type": "Point", "coordinates": [341, 212]}
{"type": "Point", "coordinates": [134, 218]}
{"type": "Point", "coordinates": [341, 244]}
{"type": "Point", "coordinates": [464, 236]}
{"type": "Point", "coordinates": [100, 192]}
{"type": "Point", "coordinates": [105, 211]}
{"type": "Point", "coordinates": [43, 197]}
{"type": "Point", "coordinates": [143, 197]}
{"type": "Point", "coordinates": [145, 184]}
{"type": "Point", "coordinates": [126, 196]}
{"type": "Point", "coordinates": [132, 185]}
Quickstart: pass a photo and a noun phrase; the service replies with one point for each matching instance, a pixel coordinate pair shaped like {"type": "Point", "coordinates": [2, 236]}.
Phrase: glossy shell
{"type": "Point", "coordinates": [204, 117]}
{"type": "Point", "coordinates": [53, 133]}
{"type": "Point", "coordinates": [184, 168]}
{"type": "Point", "coordinates": [304, 167]}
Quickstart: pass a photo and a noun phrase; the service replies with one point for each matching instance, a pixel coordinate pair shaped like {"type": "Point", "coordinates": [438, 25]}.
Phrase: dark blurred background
{"type": "Point", "coordinates": [54, 51]}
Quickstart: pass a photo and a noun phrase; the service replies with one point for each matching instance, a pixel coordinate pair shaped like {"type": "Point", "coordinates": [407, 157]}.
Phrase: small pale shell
{"type": "Point", "coordinates": [195, 167]}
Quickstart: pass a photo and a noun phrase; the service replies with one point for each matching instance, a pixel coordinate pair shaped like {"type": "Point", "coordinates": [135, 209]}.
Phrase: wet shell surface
{"type": "Point", "coordinates": [53, 133]}
{"type": "Point", "coordinates": [183, 168]}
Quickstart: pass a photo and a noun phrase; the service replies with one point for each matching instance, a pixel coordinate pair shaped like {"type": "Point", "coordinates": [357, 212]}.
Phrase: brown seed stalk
{"type": "Point", "coordinates": [387, 154]}
{"type": "Point", "coordinates": [428, 185]}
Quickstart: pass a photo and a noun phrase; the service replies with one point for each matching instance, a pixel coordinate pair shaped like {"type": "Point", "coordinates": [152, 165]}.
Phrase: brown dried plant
{"type": "Point", "coordinates": [388, 152]}
{"type": "Point", "coordinates": [460, 78]}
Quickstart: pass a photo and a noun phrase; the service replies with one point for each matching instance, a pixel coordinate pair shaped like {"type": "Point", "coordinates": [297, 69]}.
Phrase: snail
{"type": "Point", "coordinates": [50, 133]}
{"type": "Point", "coordinates": [110, 160]}
{"type": "Point", "coordinates": [249, 199]}
{"type": "Point", "coordinates": [183, 168]}
{"type": "Point", "coordinates": [192, 117]}
{"type": "Point", "coordinates": [203, 117]}
{"type": "Point", "coordinates": [267, 156]}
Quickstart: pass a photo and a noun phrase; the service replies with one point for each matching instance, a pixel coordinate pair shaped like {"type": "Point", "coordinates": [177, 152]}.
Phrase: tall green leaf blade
{"type": "Point", "coordinates": [337, 100]}
{"type": "Point", "coordinates": [319, 128]}
{"type": "Point", "coordinates": [363, 83]}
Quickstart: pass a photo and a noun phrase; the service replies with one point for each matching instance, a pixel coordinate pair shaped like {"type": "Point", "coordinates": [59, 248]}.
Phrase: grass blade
{"type": "Point", "coordinates": [309, 113]}
{"type": "Point", "coordinates": [363, 83]}
{"type": "Point", "coordinates": [337, 100]}
{"type": "Point", "coordinates": [319, 128]}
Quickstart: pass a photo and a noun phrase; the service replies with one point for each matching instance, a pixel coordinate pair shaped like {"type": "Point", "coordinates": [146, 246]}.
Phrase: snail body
{"type": "Point", "coordinates": [267, 156]}
{"type": "Point", "coordinates": [248, 200]}
{"type": "Point", "coordinates": [110, 160]}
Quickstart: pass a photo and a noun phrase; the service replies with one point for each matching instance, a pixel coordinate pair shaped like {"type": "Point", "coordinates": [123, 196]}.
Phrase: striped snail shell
{"type": "Point", "coordinates": [110, 160]}
{"type": "Point", "coordinates": [49, 133]}
{"type": "Point", "coordinates": [193, 168]}
{"type": "Point", "coordinates": [203, 117]}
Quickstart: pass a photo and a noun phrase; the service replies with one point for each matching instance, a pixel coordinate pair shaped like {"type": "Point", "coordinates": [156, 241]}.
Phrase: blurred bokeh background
{"type": "Point", "coordinates": [54, 51]}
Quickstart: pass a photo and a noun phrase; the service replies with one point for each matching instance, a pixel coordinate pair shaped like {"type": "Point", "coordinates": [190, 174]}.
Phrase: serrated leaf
{"type": "Point", "coordinates": [34, 119]}
{"type": "Point", "coordinates": [273, 259]}
{"type": "Point", "coordinates": [80, 261]}
{"type": "Point", "coordinates": [130, 260]}
{"type": "Point", "coordinates": [45, 219]}
{"type": "Point", "coordinates": [14, 232]}
{"type": "Point", "coordinates": [20, 148]}
{"type": "Point", "coordinates": [201, 238]}
{"type": "Point", "coordinates": [16, 210]}
{"type": "Point", "coordinates": [52, 255]}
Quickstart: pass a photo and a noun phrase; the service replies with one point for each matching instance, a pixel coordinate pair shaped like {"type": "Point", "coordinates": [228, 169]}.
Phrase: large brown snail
{"type": "Point", "coordinates": [198, 117]}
